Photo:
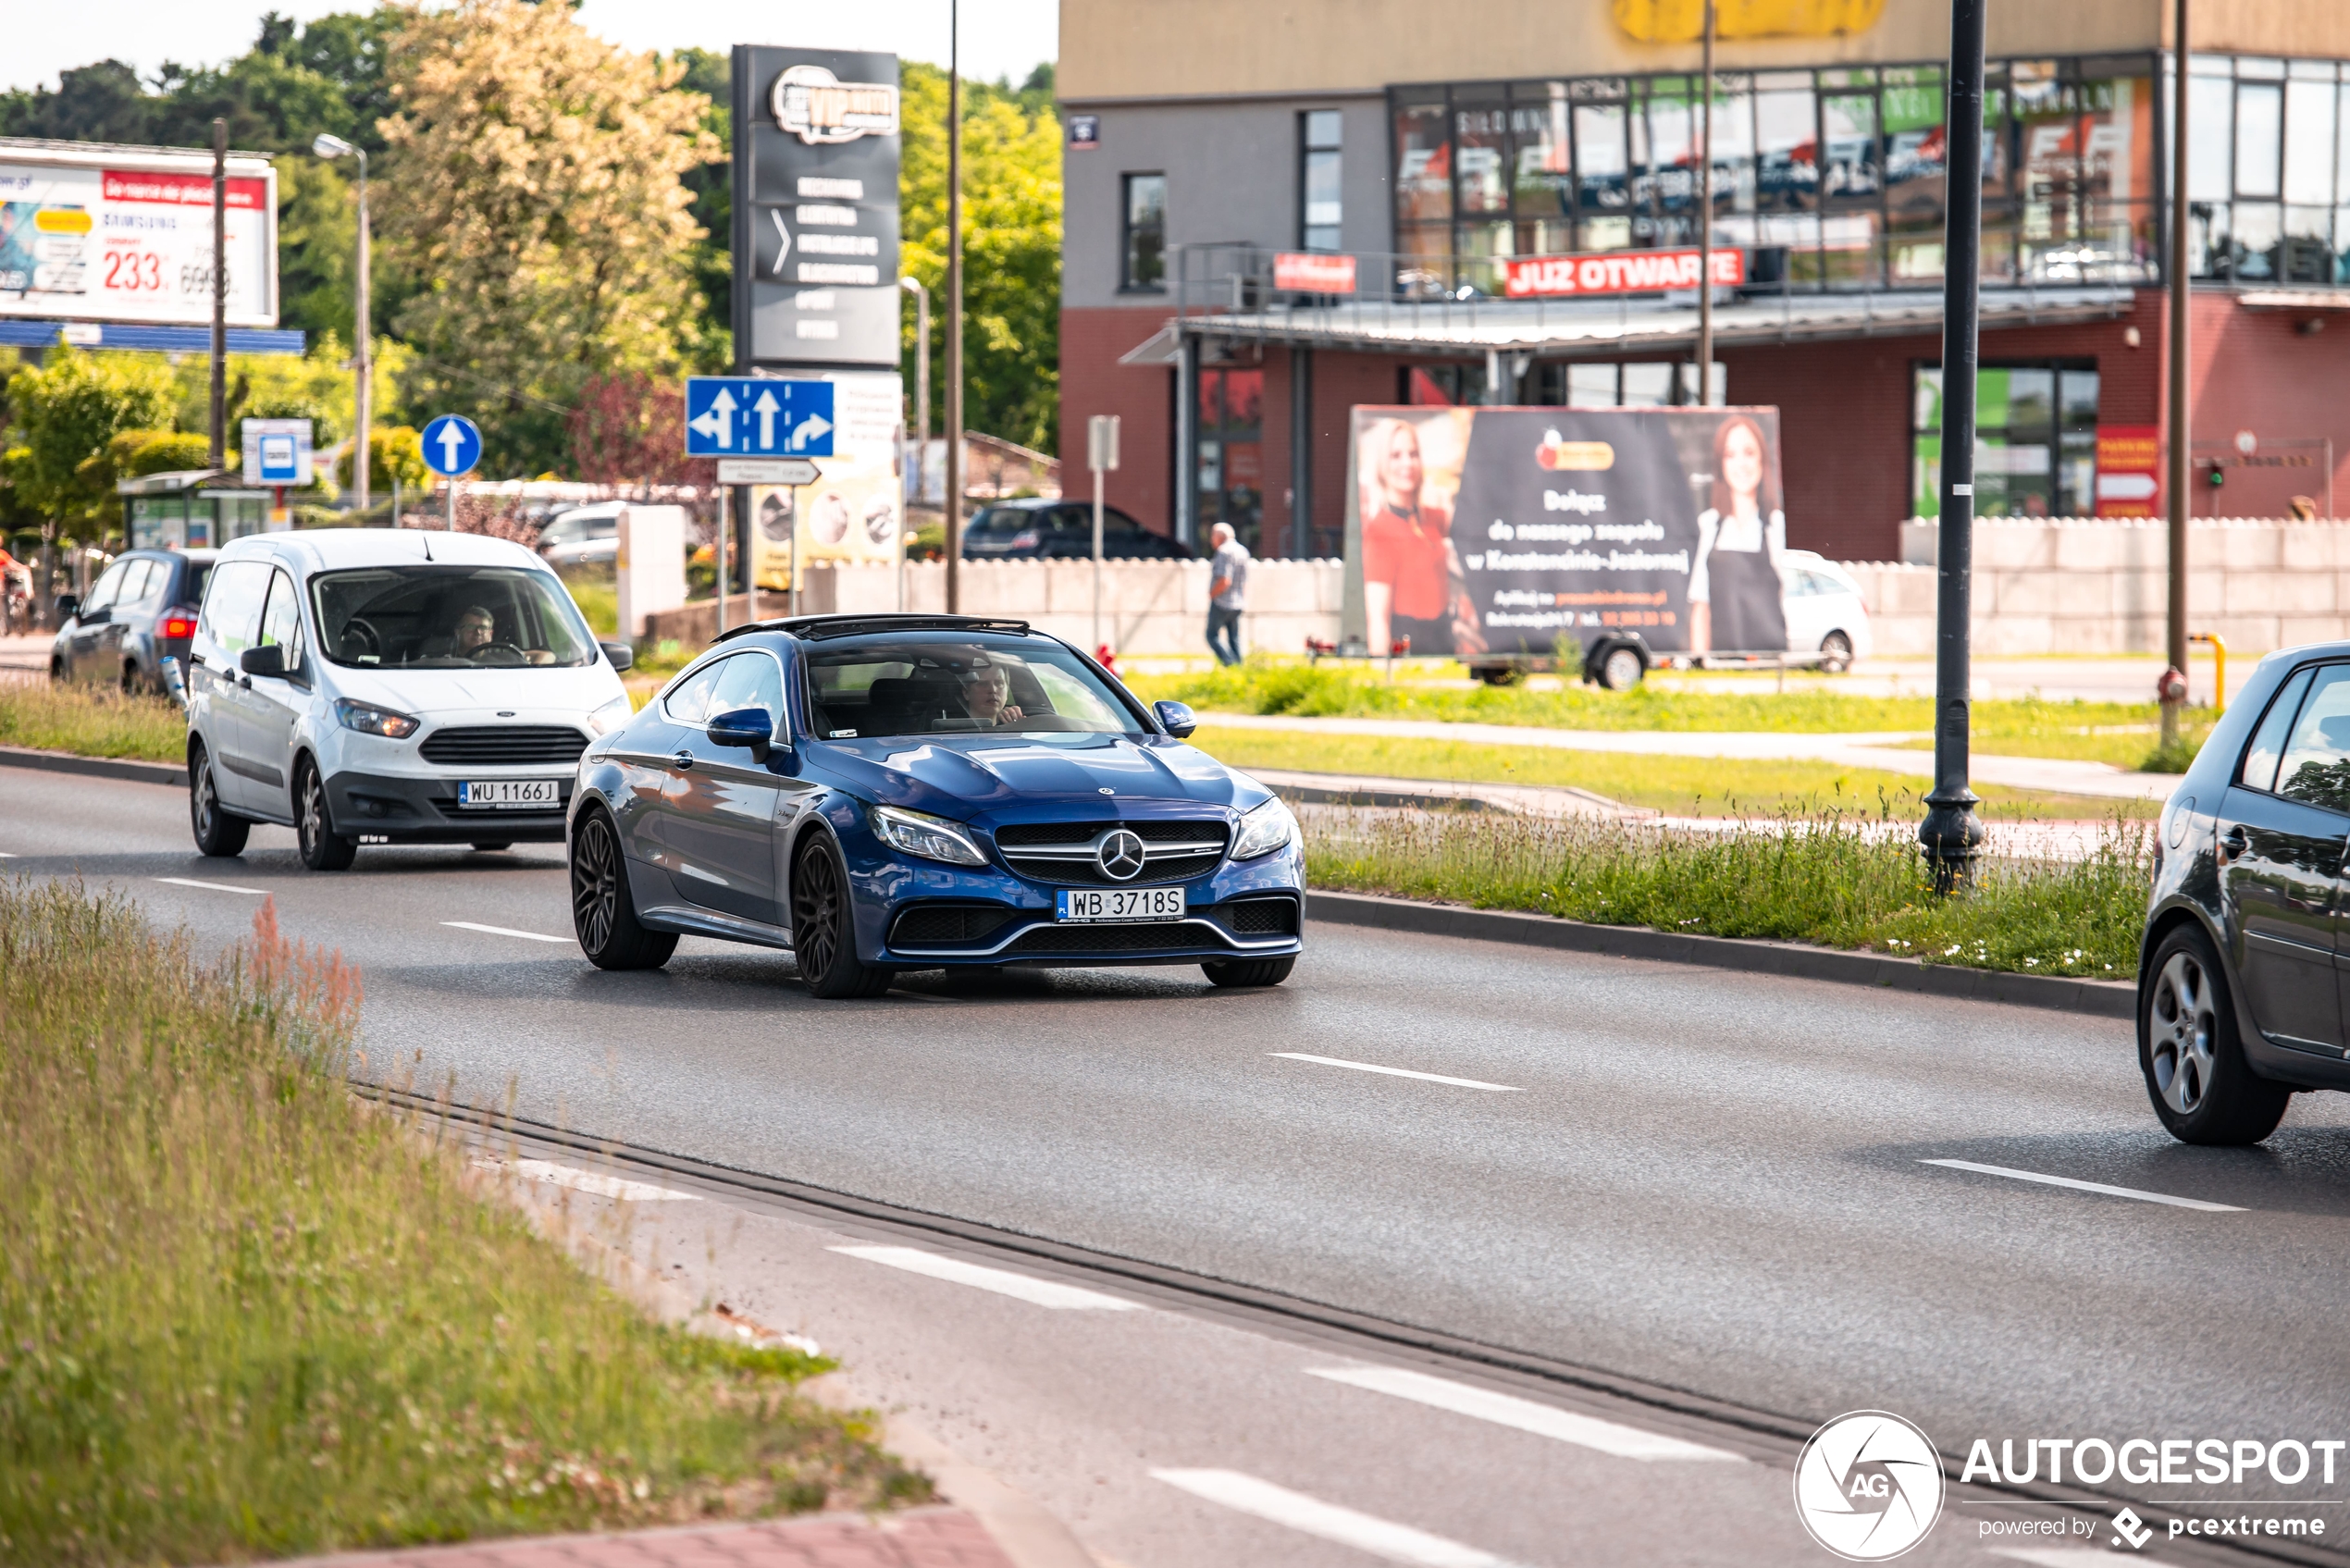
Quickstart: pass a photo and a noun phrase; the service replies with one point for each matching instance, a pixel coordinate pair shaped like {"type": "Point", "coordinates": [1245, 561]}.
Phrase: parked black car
{"type": "Point", "coordinates": [2241, 973]}
{"type": "Point", "coordinates": [1062, 530]}
{"type": "Point", "coordinates": [140, 610]}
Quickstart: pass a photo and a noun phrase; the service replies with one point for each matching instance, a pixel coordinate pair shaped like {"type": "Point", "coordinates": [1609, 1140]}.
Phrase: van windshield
{"type": "Point", "coordinates": [434, 617]}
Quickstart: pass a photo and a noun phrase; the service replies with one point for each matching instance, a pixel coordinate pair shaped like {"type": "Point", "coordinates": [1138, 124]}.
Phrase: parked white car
{"type": "Point", "coordinates": [384, 685]}
{"type": "Point", "coordinates": [583, 534]}
{"type": "Point", "coordinates": [1824, 610]}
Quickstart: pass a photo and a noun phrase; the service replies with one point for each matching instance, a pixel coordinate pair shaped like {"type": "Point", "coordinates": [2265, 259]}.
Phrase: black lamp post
{"type": "Point", "coordinates": [1951, 832]}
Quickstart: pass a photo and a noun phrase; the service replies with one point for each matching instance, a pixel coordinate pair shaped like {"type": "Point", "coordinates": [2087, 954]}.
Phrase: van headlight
{"type": "Point", "coordinates": [918, 833]}
{"type": "Point", "coordinates": [610, 716]}
{"type": "Point", "coordinates": [1267, 828]}
{"type": "Point", "coordinates": [372, 721]}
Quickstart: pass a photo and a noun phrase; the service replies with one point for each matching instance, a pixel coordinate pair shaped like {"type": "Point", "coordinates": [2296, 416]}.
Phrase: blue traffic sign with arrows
{"type": "Point", "coordinates": [452, 445]}
{"type": "Point", "coordinates": [757, 416]}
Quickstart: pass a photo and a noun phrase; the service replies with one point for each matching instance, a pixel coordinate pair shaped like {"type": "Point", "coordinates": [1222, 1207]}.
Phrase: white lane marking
{"type": "Point", "coordinates": [6, 854]}
{"type": "Point", "coordinates": [1002, 1281]}
{"type": "Point", "coordinates": [214, 886]}
{"type": "Point", "coordinates": [1363, 1532]}
{"type": "Point", "coordinates": [2143, 1197]}
{"type": "Point", "coordinates": [506, 930]}
{"type": "Point", "coordinates": [1398, 1072]}
{"type": "Point", "coordinates": [589, 1181]}
{"type": "Point", "coordinates": [1506, 1410]}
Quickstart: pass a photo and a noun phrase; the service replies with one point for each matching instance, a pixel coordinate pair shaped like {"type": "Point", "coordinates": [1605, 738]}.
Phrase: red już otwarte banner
{"type": "Point", "coordinates": [180, 190]}
{"type": "Point", "coordinates": [1621, 272]}
{"type": "Point", "coordinates": [1309, 272]}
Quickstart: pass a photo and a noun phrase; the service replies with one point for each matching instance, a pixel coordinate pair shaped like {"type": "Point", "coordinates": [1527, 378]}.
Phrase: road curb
{"type": "Point", "coordinates": [96, 767]}
{"type": "Point", "coordinates": [2098, 998]}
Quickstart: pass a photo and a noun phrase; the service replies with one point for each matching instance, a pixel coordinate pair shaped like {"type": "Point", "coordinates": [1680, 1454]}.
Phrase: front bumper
{"type": "Point", "coordinates": [395, 809]}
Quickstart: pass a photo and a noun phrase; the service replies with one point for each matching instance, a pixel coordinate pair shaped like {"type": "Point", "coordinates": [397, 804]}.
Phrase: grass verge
{"type": "Point", "coordinates": [1835, 884]}
{"type": "Point", "coordinates": [245, 1317]}
{"type": "Point", "coordinates": [92, 722]}
{"type": "Point", "coordinates": [1697, 787]}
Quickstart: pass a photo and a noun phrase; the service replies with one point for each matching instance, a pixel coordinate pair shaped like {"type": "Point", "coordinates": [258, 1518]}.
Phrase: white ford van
{"type": "Point", "coordinates": [378, 685]}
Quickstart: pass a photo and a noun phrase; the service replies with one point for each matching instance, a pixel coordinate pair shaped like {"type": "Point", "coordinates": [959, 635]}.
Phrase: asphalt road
{"type": "Point", "coordinates": [1708, 1181]}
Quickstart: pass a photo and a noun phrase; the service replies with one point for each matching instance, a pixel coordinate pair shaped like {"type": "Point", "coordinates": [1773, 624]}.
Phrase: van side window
{"type": "Point", "coordinates": [233, 604]}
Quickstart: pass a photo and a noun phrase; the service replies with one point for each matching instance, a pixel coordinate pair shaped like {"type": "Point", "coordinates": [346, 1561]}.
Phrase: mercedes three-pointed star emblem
{"type": "Point", "coordinates": [1120, 856]}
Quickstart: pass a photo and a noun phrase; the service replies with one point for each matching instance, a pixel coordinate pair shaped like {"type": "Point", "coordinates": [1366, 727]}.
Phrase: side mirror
{"type": "Point", "coordinates": [66, 606]}
{"type": "Point", "coordinates": [620, 653]}
{"type": "Point", "coordinates": [743, 726]}
{"type": "Point", "coordinates": [267, 659]}
{"type": "Point", "coordinates": [1175, 717]}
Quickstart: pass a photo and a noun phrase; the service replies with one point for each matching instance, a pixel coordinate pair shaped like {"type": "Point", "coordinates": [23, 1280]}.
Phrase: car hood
{"type": "Point", "coordinates": [581, 689]}
{"type": "Point", "coordinates": [966, 777]}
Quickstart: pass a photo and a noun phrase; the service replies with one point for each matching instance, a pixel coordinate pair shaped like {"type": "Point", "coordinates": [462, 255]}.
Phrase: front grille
{"type": "Point", "coordinates": [1063, 853]}
{"type": "Point", "coordinates": [1157, 937]}
{"type": "Point", "coordinates": [503, 746]}
{"type": "Point", "coordinates": [1262, 917]}
{"type": "Point", "coordinates": [947, 925]}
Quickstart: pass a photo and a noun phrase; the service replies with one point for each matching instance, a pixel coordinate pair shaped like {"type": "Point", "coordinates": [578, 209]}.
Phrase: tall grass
{"type": "Point", "coordinates": [92, 722]}
{"type": "Point", "coordinates": [242, 1317]}
{"type": "Point", "coordinates": [1841, 883]}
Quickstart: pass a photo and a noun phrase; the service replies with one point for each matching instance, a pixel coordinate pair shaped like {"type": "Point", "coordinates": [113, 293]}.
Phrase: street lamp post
{"type": "Point", "coordinates": [922, 405]}
{"type": "Point", "coordinates": [1951, 832]}
{"type": "Point", "coordinates": [328, 146]}
{"type": "Point", "coordinates": [954, 313]}
{"type": "Point", "coordinates": [1705, 221]}
{"type": "Point", "coordinates": [2182, 416]}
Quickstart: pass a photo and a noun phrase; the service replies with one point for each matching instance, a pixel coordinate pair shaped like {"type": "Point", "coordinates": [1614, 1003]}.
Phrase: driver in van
{"type": "Point", "coordinates": [477, 630]}
{"type": "Point", "coordinates": [987, 694]}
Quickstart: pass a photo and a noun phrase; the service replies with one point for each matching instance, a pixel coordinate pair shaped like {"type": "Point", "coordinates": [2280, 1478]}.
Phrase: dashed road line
{"type": "Point", "coordinates": [1311, 1516]}
{"type": "Point", "coordinates": [2110, 1191]}
{"type": "Point", "coordinates": [1397, 1072]}
{"type": "Point", "coordinates": [1506, 1410]}
{"type": "Point", "coordinates": [1002, 1281]}
{"type": "Point", "coordinates": [214, 886]}
{"type": "Point", "coordinates": [507, 930]}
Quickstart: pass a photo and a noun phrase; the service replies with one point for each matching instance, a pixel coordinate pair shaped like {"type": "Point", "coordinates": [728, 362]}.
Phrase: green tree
{"type": "Point", "coordinates": [535, 180]}
{"type": "Point", "coordinates": [70, 411]}
{"type": "Point", "coordinates": [1011, 246]}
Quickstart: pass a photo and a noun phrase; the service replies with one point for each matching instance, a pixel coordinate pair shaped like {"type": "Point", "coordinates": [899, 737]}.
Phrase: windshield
{"type": "Point", "coordinates": [425, 617]}
{"type": "Point", "coordinates": [957, 682]}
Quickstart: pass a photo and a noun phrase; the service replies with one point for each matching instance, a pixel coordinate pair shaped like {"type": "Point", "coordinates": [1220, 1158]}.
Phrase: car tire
{"type": "Point", "coordinates": [1836, 653]}
{"type": "Point", "coordinates": [1249, 971]}
{"type": "Point", "coordinates": [133, 683]}
{"type": "Point", "coordinates": [2192, 1055]}
{"type": "Point", "coordinates": [823, 926]}
{"type": "Point", "coordinates": [1621, 669]}
{"type": "Point", "coordinates": [323, 849]}
{"type": "Point", "coordinates": [603, 912]}
{"type": "Point", "coordinates": [492, 845]}
{"type": "Point", "coordinates": [218, 834]}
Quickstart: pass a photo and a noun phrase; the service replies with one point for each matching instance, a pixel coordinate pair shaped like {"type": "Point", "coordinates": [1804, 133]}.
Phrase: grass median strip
{"type": "Point", "coordinates": [92, 722]}
{"type": "Point", "coordinates": [1839, 883]}
{"type": "Point", "coordinates": [246, 1317]}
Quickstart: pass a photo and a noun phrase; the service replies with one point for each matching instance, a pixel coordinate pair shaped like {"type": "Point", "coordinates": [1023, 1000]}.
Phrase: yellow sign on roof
{"type": "Point", "coordinates": [1683, 22]}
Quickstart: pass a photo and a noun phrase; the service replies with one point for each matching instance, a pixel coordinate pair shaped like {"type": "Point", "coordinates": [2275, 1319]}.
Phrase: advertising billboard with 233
{"type": "Point", "coordinates": [1535, 530]}
{"type": "Point", "coordinates": [96, 238]}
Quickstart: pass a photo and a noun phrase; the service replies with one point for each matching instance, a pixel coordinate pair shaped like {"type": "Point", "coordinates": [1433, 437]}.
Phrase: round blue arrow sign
{"type": "Point", "coordinates": [452, 445]}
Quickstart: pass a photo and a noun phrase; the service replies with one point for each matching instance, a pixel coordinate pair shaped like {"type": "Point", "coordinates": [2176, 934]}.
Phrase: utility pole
{"type": "Point", "coordinates": [363, 328]}
{"type": "Point", "coordinates": [1951, 832]}
{"type": "Point", "coordinates": [1705, 221]}
{"type": "Point", "coordinates": [954, 313]}
{"type": "Point", "coordinates": [220, 294]}
{"type": "Point", "coordinates": [2182, 498]}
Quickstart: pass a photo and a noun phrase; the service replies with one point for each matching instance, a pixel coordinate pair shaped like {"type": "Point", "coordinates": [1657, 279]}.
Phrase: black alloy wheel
{"type": "Point", "coordinates": [218, 834]}
{"type": "Point", "coordinates": [1250, 971]}
{"type": "Point", "coordinates": [2191, 1052]}
{"type": "Point", "coordinates": [824, 940]}
{"type": "Point", "coordinates": [323, 849]}
{"type": "Point", "coordinates": [602, 913]}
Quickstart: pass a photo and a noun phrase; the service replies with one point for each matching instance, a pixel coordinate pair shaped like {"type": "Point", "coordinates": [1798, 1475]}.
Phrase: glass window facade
{"type": "Point", "coordinates": [1829, 179]}
{"type": "Point", "coordinates": [2268, 170]}
{"type": "Point", "coordinates": [1145, 240]}
{"type": "Point", "coordinates": [1319, 203]}
{"type": "Point", "coordinates": [2035, 440]}
{"type": "Point", "coordinates": [1232, 453]}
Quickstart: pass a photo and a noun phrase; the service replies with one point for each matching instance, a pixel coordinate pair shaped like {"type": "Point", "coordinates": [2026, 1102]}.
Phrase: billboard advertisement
{"type": "Point", "coordinates": [855, 510]}
{"type": "Point", "coordinates": [1527, 530]}
{"type": "Point", "coordinates": [815, 189]}
{"type": "Point", "coordinates": [124, 235]}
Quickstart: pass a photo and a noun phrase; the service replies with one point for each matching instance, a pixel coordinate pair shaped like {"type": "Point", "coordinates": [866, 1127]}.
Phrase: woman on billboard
{"type": "Point", "coordinates": [1734, 586]}
{"type": "Point", "coordinates": [1413, 584]}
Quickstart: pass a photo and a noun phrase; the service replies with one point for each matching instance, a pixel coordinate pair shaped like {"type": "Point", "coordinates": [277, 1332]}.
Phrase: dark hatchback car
{"type": "Point", "coordinates": [2242, 975]}
{"type": "Point", "coordinates": [140, 610]}
{"type": "Point", "coordinates": [1062, 530]}
{"type": "Point", "coordinates": [888, 793]}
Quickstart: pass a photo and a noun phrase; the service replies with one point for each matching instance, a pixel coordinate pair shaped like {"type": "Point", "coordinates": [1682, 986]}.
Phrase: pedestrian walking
{"type": "Point", "coordinates": [1227, 594]}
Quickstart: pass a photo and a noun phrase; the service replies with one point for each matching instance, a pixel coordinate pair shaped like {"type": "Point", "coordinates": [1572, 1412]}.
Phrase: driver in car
{"type": "Point", "coordinates": [477, 632]}
{"type": "Point", "coordinates": [987, 695]}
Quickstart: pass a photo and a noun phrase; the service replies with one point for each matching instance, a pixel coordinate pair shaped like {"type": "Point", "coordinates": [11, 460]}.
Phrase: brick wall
{"type": "Point", "coordinates": [1142, 396]}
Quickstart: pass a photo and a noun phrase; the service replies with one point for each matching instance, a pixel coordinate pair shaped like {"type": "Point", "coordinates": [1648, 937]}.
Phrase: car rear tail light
{"type": "Point", "coordinates": [178, 625]}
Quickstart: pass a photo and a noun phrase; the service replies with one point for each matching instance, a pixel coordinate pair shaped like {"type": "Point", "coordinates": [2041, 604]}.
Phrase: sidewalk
{"type": "Point", "coordinates": [928, 1537]}
{"type": "Point", "coordinates": [1872, 749]}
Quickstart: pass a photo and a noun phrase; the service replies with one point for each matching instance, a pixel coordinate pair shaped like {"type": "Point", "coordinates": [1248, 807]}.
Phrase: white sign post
{"type": "Point", "coordinates": [1101, 456]}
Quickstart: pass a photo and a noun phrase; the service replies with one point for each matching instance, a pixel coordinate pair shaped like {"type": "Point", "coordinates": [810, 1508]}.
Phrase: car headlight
{"type": "Point", "coordinates": [610, 716]}
{"type": "Point", "coordinates": [1267, 828]}
{"type": "Point", "coordinates": [373, 720]}
{"type": "Point", "coordinates": [933, 838]}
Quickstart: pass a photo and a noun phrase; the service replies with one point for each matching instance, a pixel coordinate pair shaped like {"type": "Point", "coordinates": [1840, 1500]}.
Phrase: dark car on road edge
{"type": "Point", "coordinates": [139, 612]}
{"type": "Point", "coordinates": [1030, 529]}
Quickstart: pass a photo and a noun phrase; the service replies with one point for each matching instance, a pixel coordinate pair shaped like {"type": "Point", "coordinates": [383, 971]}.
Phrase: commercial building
{"type": "Point", "coordinates": [1274, 214]}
